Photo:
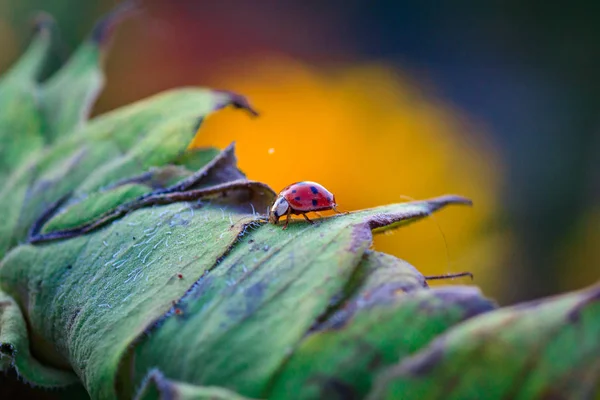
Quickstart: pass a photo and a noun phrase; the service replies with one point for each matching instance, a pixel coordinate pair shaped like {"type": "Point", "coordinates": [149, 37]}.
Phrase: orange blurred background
{"type": "Point", "coordinates": [374, 112]}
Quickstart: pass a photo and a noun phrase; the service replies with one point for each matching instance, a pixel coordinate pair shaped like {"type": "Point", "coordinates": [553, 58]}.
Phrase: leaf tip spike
{"type": "Point", "coordinates": [104, 28]}
{"type": "Point", "coordinates": [42, 22]}
{"type": "Point", "coordinates": [237, 101]}
{"type": "Point", "coordinates": [461, 200]}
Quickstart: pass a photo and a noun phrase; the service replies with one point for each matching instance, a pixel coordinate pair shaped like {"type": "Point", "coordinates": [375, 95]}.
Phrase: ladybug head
{"type": "Point", "coordinates": [280, 207]}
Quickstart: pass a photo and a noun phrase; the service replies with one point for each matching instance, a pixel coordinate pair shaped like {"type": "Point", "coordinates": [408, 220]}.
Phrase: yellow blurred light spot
{"type": "Point", "coordinates": [370, 136]}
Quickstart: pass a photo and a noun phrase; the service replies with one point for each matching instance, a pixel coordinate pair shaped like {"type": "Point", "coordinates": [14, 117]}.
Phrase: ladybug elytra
{"type": "Point", "coordinates": [301, 198]}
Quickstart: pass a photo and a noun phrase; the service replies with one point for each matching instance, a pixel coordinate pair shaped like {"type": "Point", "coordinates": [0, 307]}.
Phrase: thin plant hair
{"type": "Point", "coordinates": [442, 276]}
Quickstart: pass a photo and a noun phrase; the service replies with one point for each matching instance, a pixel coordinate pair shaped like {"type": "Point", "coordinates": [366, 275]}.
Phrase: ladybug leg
{"type": "Point", "coordinates": [306, 218]}
{"type": "Point", "coordinates": [287, 218]}
{"type": "Point", "coordinates": [338, 211]}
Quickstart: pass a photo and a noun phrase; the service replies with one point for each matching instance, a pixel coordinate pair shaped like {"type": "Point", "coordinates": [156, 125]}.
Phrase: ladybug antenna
{"type": "Point", "coordinates": [445, 242]}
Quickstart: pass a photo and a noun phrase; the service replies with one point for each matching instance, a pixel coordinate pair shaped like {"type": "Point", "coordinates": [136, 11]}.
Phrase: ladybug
{"type": "Point", "coordinates": [301, 198]}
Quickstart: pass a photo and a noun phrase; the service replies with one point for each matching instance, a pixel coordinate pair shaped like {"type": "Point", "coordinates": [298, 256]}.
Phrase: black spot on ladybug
{"type": "Point", "coordinates": [314, 190]}
{"type": "Point", "coordinates": [329, 199]}
{"type": "Point", "coordinates": [315, 202]}
{"type": "Point", "coordinates": [297, 198]}
{"type": "Point", "coordinates": [294, 191]}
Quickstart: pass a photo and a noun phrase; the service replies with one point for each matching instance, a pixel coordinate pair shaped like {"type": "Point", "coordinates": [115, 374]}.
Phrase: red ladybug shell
{"type": "Point", "coordinates": [308, 196]}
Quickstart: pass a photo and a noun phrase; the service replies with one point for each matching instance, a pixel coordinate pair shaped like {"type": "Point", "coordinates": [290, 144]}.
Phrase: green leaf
{"type": "Point", "coordinates": [543, 349]}
{"type": "Point", "coordinates": [342, 354]}
{"type": "Point", "coordinates": [157, 387]}
{"type": "Point", "coordinates": [28, 68]}
{"type": "Point", "coordinates": [263, 297]}
{"type": "Point", "coordinates": [194, 159]}
{"type": "Point", "coordinates": [21, 122]}
{"type": "Point", "coordinates": [124, 143]}
{"type": "Point", "coordinates": [119, 145]}
{"type": "Point", "coordinates": [14, 349]}
{"type": "Point", "coordinates": [86, 208]}
{"type": "Point", "coordinates": [130, 267]}
{"type": "Point", "coordinates": [114, 266]}
{"type": "Point", "coordinates": [68, 96]}
{"type": "Point", "coordinates": [219, 176]}
{"type": "Point", "coordinates": [95, 206]}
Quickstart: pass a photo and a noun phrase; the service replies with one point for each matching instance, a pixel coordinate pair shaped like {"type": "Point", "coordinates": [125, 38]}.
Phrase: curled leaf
{"type": "Point", "coordinates": [250, 193]}
{"type": "Point", "coordinates": [14, 350]}
{"type": "Point", "coordinates": [219, 177]}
